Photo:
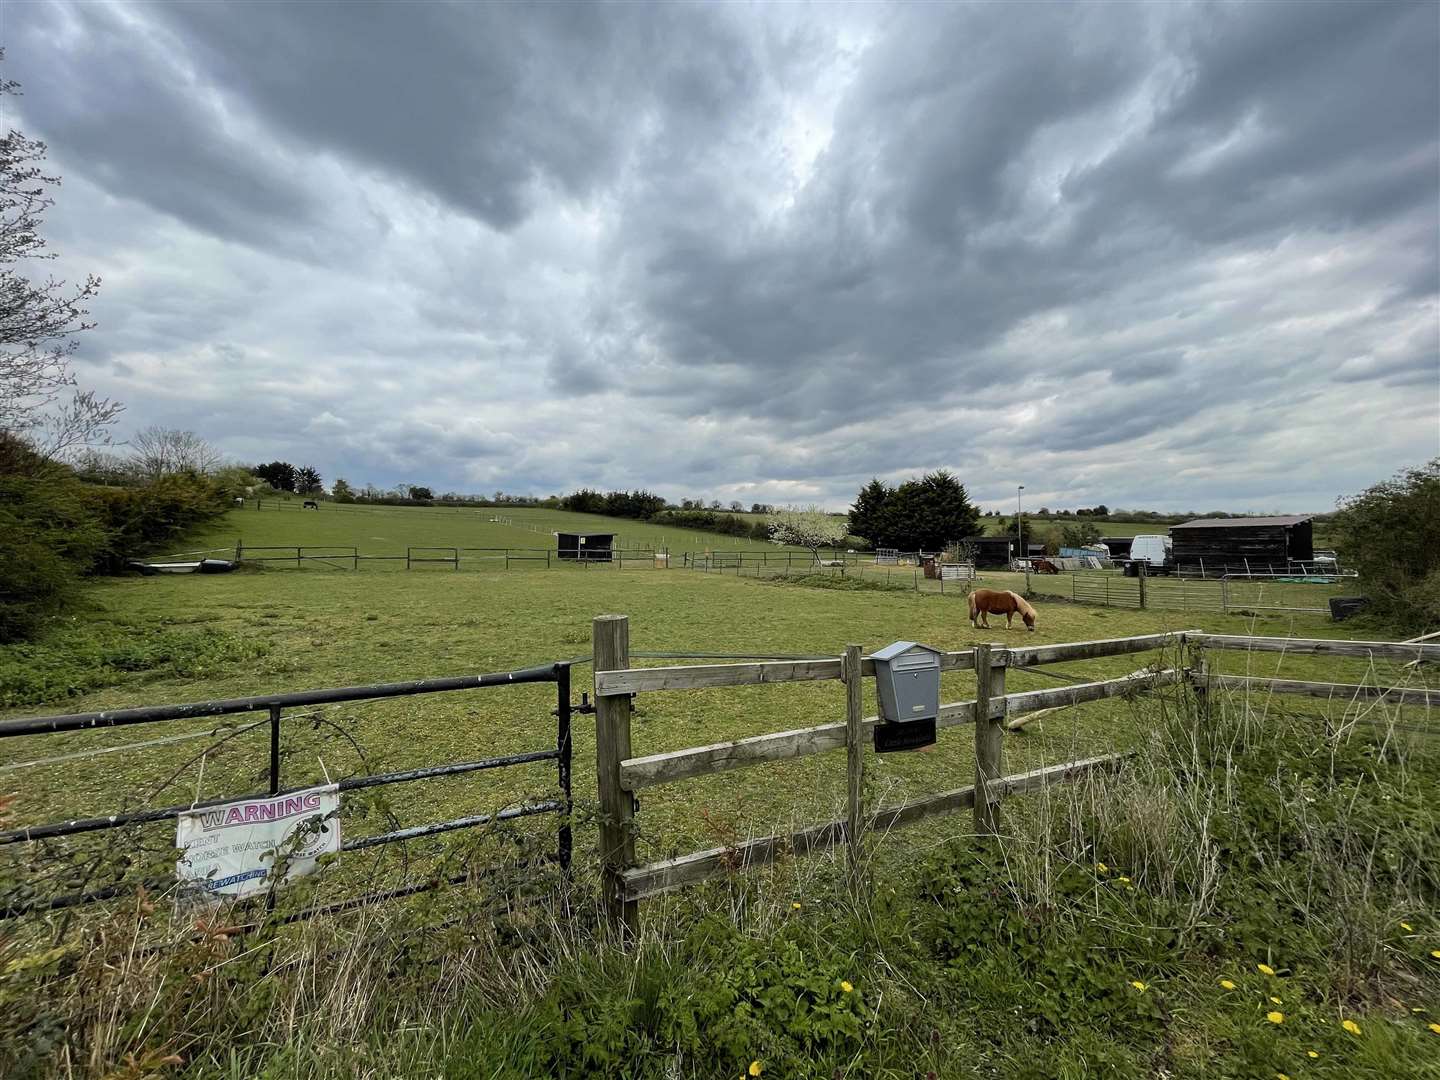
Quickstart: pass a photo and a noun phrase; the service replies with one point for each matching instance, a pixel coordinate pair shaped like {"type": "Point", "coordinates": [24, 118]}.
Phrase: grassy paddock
{"type": "Point", "coordinates": [1248, 899]}
{"type": "Point", "coordinates": [175, 639]}
{"type": "Point", "coordinates": [390, 529]}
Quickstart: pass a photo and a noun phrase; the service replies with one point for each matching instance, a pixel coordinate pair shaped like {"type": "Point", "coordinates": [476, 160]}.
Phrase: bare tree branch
{"type": "Point", "coordinates": [38, 322]}
{"type": "Point", "coordinates": [159, 452]}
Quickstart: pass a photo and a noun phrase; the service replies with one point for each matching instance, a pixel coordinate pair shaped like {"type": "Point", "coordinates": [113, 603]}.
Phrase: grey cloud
{"type": "Point", "coordinates": [773, 250]}
{"type": "Point", "coordinates": [118, 105]}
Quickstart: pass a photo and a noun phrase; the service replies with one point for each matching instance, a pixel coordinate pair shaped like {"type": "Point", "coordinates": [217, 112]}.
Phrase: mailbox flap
{"type": "Point", "coordinates": [916, 661]}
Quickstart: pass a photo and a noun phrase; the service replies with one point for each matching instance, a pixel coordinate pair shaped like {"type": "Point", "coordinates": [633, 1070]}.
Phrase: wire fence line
{"type": "Point", "coordinates": [1238, 594]}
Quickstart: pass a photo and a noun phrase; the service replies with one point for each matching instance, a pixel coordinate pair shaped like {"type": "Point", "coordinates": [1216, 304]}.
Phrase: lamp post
{"type": "Point", "coordinates": [1019, 522]}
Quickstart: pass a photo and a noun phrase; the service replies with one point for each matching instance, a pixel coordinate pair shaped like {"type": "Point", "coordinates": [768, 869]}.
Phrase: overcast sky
{"type": "Point", "coordinates": [1181, 256]}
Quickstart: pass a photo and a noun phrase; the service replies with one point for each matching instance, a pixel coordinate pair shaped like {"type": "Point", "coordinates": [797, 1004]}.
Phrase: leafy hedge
{"type": "Point", "coordinates": [56, 529]}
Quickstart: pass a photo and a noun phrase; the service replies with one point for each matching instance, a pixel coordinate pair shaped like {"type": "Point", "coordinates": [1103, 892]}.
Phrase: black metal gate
{"type": "Point", "coordinates": [557, 673]}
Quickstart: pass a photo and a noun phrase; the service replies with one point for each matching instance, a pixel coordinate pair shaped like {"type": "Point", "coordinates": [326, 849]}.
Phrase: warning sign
{"type": "Point", "coordinates": [231, 850]}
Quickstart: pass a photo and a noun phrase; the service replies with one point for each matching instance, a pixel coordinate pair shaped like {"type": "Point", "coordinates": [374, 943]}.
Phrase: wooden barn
{"type": "Point", "coordinates": [589, 547]}
{"type": "Point", "coordinates": [1119, 545]}
{"type": "Point", "coordinates": [997, 551]}
{"type": "Point", "coordinates": [1259, 545]}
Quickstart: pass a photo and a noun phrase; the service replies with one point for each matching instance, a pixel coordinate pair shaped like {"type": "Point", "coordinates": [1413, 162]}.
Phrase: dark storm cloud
{"type": "Point", "coordinates": [142, 126]}
{"type": "Point", "coordinates": [765, 251]}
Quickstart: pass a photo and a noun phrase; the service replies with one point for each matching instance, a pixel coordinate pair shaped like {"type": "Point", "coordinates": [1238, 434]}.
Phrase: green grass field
{"type": "Point", "coordinates": [278, 631]}
{"type": "Point", "coordinates": [390, 530]}
{"type": "Point", "coordinates": [1052, 956]}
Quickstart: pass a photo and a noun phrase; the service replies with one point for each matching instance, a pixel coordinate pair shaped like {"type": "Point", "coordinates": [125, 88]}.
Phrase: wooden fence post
{"type": "Point", "coordinates": [1198, 676]}
{"type": "Point", "coordinates": [1141, 578]}
{"type": "Point", "coordinates": [989, 684]}
{"type": "Point", "coordinates": [611, 648]}
{"type": "Point", "coordinates": [850, 668]}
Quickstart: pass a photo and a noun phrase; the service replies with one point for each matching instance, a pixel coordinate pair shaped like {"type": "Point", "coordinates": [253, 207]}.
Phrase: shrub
{"type": "Point", "coordinates": [139, 521]}
{"type": "Point", "coordinates": [54, 529]}
{"type": "Point", "coordinates": [1390, 533]}
{"type": "Point", "coordinates": [48, 537]}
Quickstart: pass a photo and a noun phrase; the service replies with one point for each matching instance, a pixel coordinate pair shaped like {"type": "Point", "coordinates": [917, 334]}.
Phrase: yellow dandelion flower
{"type": "Point", "coordinates": [1276, 1001]}
{"type": "Point", "coordinates": [1137, 984]}
{"type": "Point", "coordinates": [1265, 969]}
{"type": "Point", "coordinates": [1435, 1028]}
{"type": "Point", "coordinates": [1102, 868]}
{"type": "Point", "coordinates": [1312, 1054]}
{"type": "Point", "coordinates": [795, 905]}
{"type": "Point", "coordinates": [1227, 984]}
{"type": "Point", "coordinates": [755, 1068]}
{"type": "Point", "coordinates": [1435, 953]}
{"type": "Point", "coordinates": [1281, 1076]}
{"type": "Point", "coordinates": [1350, 1026]}
{"type": "Point", "coordinates": [1275, 1017]}
{"type": "Point", "coordinates": [1407, 927]}
{"type": "Point", "coordinates": [846, 986]}
{"type": "Point", "coordinates": [1123, 880]}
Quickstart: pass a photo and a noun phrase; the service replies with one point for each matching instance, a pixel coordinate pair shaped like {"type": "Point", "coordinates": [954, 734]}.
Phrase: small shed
{"type": "Point", "coordinates": [993, 551]}
{"type": "Point", "coordinates": [588, 547]}
{"type": "Point", "coordinates": [1119, 545]}
{"type": "Point", "coordinates": [1259, 545]}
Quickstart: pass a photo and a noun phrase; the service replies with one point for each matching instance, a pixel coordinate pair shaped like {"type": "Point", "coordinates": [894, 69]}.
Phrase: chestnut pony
{"type": "Point", "coordinates": [985, 602]}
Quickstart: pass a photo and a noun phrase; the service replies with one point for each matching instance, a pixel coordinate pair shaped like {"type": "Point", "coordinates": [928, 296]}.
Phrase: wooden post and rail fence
{"type": "Point", "coordinates": [620, 773]}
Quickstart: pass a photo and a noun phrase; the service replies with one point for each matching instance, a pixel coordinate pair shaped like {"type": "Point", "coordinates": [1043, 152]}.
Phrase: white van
{"type": "Point", "coordinates": [1153, 550]}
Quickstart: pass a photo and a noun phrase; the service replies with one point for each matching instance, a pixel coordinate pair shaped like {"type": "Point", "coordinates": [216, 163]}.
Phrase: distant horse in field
{"type": "Point", "coordinates": [985, 602]}
{"type": "Point", "coordinates": [310, 504]}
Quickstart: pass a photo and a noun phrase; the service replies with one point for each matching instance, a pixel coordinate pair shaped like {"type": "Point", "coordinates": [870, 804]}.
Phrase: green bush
{"type": "Point", "coordinates": [143, 520]}
{"type": "Point", "coordinates": [55, 529]}
{"type": "Point", "coordinates": [1390, 533]}
{"type": "Point", "coordinates": [49, 536]}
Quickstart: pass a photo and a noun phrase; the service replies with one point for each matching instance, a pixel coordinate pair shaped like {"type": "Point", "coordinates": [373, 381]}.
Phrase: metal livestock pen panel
{"type": "Point", "coordinates": [557, 673]}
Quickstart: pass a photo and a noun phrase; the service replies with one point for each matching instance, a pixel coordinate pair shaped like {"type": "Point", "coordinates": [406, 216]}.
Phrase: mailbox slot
{"type": "Point", "coordinates": [907, 686]}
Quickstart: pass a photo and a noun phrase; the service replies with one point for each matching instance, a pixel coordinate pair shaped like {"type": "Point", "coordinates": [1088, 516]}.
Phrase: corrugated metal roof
{"type": "Point", "coordinates": [1230, 523]}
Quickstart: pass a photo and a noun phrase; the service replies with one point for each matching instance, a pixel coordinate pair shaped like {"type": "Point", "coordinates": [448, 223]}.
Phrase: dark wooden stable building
{"type": "Point", "coordinates": [1119, 545]}
{"type": "Point", "coordinates": [589, 547]}
{"type": "Point", "coordinates": [1240, 545]}
{"type": "Point", "coordinates": [997, 551]}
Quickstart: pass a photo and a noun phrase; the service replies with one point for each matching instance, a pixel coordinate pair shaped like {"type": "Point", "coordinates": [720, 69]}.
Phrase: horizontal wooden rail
{"type": "Point", "coordinates": [709, 676]}
{"type": "Point", "coordinates": [1395, 695]}
{"type": "Point", "coordinates": [666, 768]}
{"type": "Point", "coordinates": [658, 877]}
{"type": "Point", "coordinates": [698, 676]}
{"type": "Point", "coordinates": [1089, 650]}
{"type": "Point", "coordinates": [1364, 650]}
{"type": "Point", "coordinates": [1035, 700]}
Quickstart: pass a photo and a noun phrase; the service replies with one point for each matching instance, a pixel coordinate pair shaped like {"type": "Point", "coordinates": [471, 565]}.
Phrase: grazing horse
{"type": "Point", "coordinates": [310, 504]}
{"type": "Point", "coordinates": [985, 602]}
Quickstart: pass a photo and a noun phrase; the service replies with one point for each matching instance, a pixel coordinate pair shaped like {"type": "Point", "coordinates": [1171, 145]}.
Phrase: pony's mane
{"type": "Point", "coordinates": [1023, 605]}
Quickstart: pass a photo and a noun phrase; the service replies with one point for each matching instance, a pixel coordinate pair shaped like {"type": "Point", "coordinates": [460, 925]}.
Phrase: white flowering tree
{"type": "Point", "coordinates": [809, 527]}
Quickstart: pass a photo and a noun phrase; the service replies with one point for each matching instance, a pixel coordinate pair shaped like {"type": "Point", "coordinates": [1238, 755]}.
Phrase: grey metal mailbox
{"type": "Point", "coordinates": [907, 684]}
